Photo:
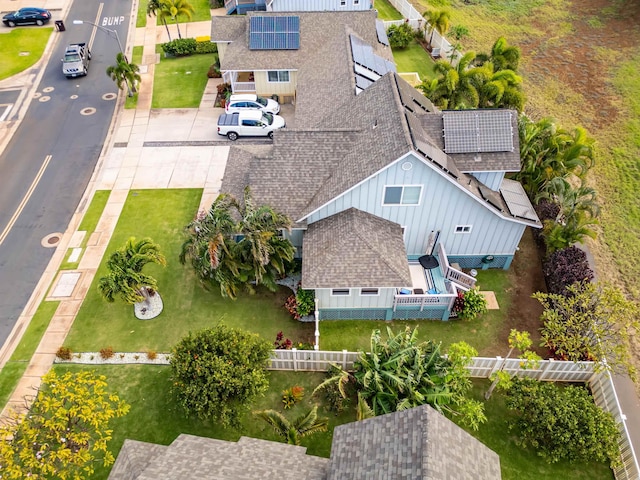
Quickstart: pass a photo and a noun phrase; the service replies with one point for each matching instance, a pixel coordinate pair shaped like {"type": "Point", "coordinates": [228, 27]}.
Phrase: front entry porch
{"type": "Point", "coordinates": [241, 82]}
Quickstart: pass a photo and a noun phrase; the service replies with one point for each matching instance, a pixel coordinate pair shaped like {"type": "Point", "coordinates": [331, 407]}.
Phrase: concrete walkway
{"type": "Point", "coordinates": [130, 162]}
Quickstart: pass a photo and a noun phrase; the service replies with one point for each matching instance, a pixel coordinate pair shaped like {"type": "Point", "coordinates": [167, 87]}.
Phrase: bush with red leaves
{"type": "Point", "coordinates": [566, 267]}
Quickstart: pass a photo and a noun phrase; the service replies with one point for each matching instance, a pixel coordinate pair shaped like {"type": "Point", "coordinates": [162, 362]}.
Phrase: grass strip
{"type": "Point", "coordinates": [21, 48]}
{"type": "Point", "coordinates": [180, 82]}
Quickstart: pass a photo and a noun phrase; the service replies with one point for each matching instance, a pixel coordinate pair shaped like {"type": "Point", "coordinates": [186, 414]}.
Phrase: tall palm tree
{"type": "Point", "coordinates": [125, 278]}
{"type": "Point", "coordinates": [503, 56]}
{"type": "Point", "coordinates": [124, 72]}
{"type": "Point", "coordinates": [305, 425]}
{"type": "Point", "coordinates": [439, 20]}
{"type": "Point", "coordinates": [175, 8]}
{"type": "Point", "coordinates": [155, 6]}
{"type": "Point", "coordinates": [237, 244]}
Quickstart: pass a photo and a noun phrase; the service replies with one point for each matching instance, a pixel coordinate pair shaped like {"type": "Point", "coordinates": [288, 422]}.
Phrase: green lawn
{"type": "Point", "coordinates": [202, 12]}
{"type": "Point", "coordinates": [180, 82]}
{"type": "Point", "coordinates": [386, 11]}
{"type": "Point", "coordinates": [17, 364]}
{"type": "Point", "coordinates": [161, 215]}
{"type": "Point", "coordinates": [21, 48]}
{"type": "Point", "coordinates": [141, 19]}
{"type": "Point", "coordinates": [136, 58]}
{"type": "Point", "coordinates": [523, 464]}
{"type": "Point", "coordinates": [155, 417]}
{"type": "Point", "coordinates": [481, 333]}
{"type": "Point", "coordinates": [414, 59]}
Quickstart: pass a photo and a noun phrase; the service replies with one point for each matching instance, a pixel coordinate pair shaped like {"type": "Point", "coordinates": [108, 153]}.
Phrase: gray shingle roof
{"type": "Point", "coordinates": [197, 457]}
{"type": "Point", "coordinates": [413, 444]}
{"type": "Point", "coordinates": [133, 458]}
{"type": "Point", "coordinates": [354, 249]}
{"type": "Point", "coordinates": [323, 61]}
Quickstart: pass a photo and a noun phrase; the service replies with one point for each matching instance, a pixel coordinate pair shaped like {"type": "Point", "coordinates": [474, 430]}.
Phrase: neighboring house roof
{"type": "Point", "coordinates": [198, 457]}
{"type": "Point", "coordinates": [474, 161]}
{"type": "Point", "coordinates": [325, 72]}
{"type": "Point", "coordinates": [354, 248]}
{"type": "Point", "coordinates": [413, 444]}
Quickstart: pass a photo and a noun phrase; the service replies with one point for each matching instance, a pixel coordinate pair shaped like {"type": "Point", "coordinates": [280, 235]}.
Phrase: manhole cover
{"type": "Point", "coordinates": [24, 54]}
{"type": "Point", "coordinates": [37, 95]}
{"type": "Point", "coordinates": [44, 98]}
{"type": "Point", "coordinates": [73, 97]}
{"type": "Point", "coordinates": [48, 89]}
{"type": "Point", "coordinates": [109, 96]}
{"type": "Point", "coordinates": [51, 240]}
{"type": "Point", "coordinates": [88, 111]}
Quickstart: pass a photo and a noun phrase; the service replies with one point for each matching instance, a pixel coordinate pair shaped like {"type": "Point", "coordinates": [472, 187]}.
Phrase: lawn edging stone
{"type": "Point", "coordinates": [122, 358]}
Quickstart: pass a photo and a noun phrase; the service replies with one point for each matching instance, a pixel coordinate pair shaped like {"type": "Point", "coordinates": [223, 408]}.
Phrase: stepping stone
{"type": "Point", "coordinates": [66, 283]}
{"type": "Point", "coordinates": [492, 302]}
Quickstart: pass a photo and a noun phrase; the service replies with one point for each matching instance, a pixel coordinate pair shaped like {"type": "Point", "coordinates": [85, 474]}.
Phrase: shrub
{"type": "Point", "coordinates": [546, 210]}
{"type": "Point", "coordinates": [206, 46]}
{"type": "Point", "coordinates": [400, 36]}
{"type": "Point", "coordinates": [282, 343]}
{"type": "Point", "coordinates": [106, 353]}
{"type": "Point", "coordinates": [214, 71]}
{"type": "Point", "coordinates": [292, 306]}
{"type": "Point", "coordinates": [180, 47]}
{"type": "Point", "coordinates": [64, 353]}
{"type": "Point", "coordinates": [337, 403]}
{"type": "Point", "coordinates": [217, 372]}
{"type": "Point", "coordinates": [152, 355]}
{"type": "Point", "coordinates": [565, 267]}
{"type": "Point", "coordinates": [224, 88]}
{"type": "Point", "coordinates": [562, 423]}
{"type": "Point", "coordinates": [292, 395]}
{"type": "Point", "coordinates": [305, 302]}
{"type": "Point", "coordinates": [474, 304]}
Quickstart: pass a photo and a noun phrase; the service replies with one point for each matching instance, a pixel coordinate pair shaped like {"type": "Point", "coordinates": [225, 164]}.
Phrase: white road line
{"type": "Point", "coordinates": [7, 109]}
{"type": "Point", "coordinates": [25, 199]}
{"type": "Point", "coordinates": [95, 29]}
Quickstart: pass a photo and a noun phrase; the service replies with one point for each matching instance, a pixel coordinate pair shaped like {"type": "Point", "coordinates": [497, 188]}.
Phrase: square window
{"type": "Point", "coordinates": [281, 76]}
{"type": "Point", "coordinates": [340, 292]}
{"type": "Point", "coordinates": [402, 195]}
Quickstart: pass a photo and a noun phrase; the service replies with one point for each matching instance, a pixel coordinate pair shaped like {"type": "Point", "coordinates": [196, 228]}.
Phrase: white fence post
{"type": "Point", "coordinates": [294, 355]}
{"type": "Point", "coordinates": [344, 360]}
{"type": "Point", "coordinates": [495, 367]}
{"type": "Point", "coordinates": [547, 366]}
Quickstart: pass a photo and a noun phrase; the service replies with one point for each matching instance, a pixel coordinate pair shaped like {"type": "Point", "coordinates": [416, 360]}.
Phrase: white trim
{"type": "Point", "coordinates": [462, 229]}
{"type": "Point", "coordinates": [419, 157]}
{"type": "Point", "coordinates": [340, 294]}
{"type": "Point", "coordinates": [376, 294]}
{"type": "Point", "coordinates": [384, 194]}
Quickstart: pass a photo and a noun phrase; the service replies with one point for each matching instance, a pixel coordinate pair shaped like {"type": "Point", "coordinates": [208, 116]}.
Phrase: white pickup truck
{"type": "Point", "coordinates": [76, 60]}
{"type": "Point", "coordinates": [251, 123]}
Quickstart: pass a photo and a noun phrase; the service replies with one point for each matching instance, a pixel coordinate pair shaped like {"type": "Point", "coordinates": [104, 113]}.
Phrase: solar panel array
{"type": "Point", "coordinates": [382, 33]}
{"type": "Point", "coordinates": [412, 99]}
{"type": "Point", "coordinates": [478, 131]}
{"type": "Point", "coordinates": [274, 33]}
{"type": "Point", "coordinates": [363, 55]}
{"type": "Point", "coordinates": [517, 200]}
{"type": "Point", "coordinates": [430, 151]}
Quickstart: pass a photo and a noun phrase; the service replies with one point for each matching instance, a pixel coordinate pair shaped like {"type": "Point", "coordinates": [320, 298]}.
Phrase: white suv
{"type": "Point", "coordinates": [239, 103]}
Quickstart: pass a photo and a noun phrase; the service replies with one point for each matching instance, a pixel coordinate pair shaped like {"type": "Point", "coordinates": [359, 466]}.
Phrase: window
{"type": "Point", "coordinates": [402, 195]}
{"type": "Point", "coordinates": [356, 2]}
{"type": "Point", "coordinates": [340, 292]}
{"type": "Point", "coordinates": [343, 3]}
{"type": "Point", "coordinates": [368, 291]}
{"type": "Point", "coordinates": [281, 76]}
{"type": "Point", "coordinates": [463, 229]}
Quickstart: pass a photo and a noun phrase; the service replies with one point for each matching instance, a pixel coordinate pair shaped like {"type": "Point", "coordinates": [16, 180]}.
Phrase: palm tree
{"type": "Point", "coordinates": [124, 72]}
{"type": "Point", "coordinates": [174, 9]}
{"type": "Point", "coordinates": [498, 89]}
{"type": "Point", "coordinates": [155, 6]}
{"type": "Point", "coordinates": [304, 425]}
{"type": "Point", "coordinates": [438, 20]}
{"type": "Point", "coordinates": [125, 278]}
{"type": "Point", "coordinates": [503, 56]}
{"type": "Point", "coordinates": [234, 254]}
{"type": "Point", "coordinates": [455, 86]}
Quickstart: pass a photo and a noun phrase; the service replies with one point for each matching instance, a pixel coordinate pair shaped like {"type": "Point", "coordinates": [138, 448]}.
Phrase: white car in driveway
{"type": "Point", "coordinates": [251, 123]}
{"type": "Point", "coordinates": [241, 103]}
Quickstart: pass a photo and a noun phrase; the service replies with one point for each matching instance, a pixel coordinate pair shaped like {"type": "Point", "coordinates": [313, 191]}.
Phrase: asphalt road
{"type": "Point", "coordinates": [47, 165]}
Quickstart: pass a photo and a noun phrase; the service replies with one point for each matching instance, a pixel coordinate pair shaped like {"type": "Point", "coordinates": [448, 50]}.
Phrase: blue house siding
{"type": "Point", "coordinates": [443, 207]}
{"type": "Point", "coordinates": [493, 180]}
{"type": "Point", "coordinates": [295, 237]}
{"type": "Point", "coordinates": [318, 5]}
{"type": "Point", "coordinates": [383, 300]}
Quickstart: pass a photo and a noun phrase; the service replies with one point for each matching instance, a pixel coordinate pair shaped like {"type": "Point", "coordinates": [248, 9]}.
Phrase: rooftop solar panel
{"type": "Point", "coordinates": [274, 33]}
{"type": "Point", "coordinates": [412, 99]}
{"type": "Point", "coordinates": [364, 56]}
{"type": "Point", "coordinates": [478, 131]}
{"type": "Point", "coordinates": [430, 151]}
{"type": "Point", "coordinates": [517, 200]}
{"type": "Point", "coordinates": [382, 33]}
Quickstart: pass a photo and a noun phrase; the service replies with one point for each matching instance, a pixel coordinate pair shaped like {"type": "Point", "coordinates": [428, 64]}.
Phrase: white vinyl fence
{"type": "Point", "coordinates": [601, 384]}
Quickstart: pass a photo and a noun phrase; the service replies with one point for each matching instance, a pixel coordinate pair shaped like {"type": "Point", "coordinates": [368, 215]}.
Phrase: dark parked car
{"type": "Point", "coordinates": [27, 16]}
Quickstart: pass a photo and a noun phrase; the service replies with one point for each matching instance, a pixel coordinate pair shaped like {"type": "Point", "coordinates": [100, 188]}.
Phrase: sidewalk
{"type": "Point", "coordinates": [128, 164]}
